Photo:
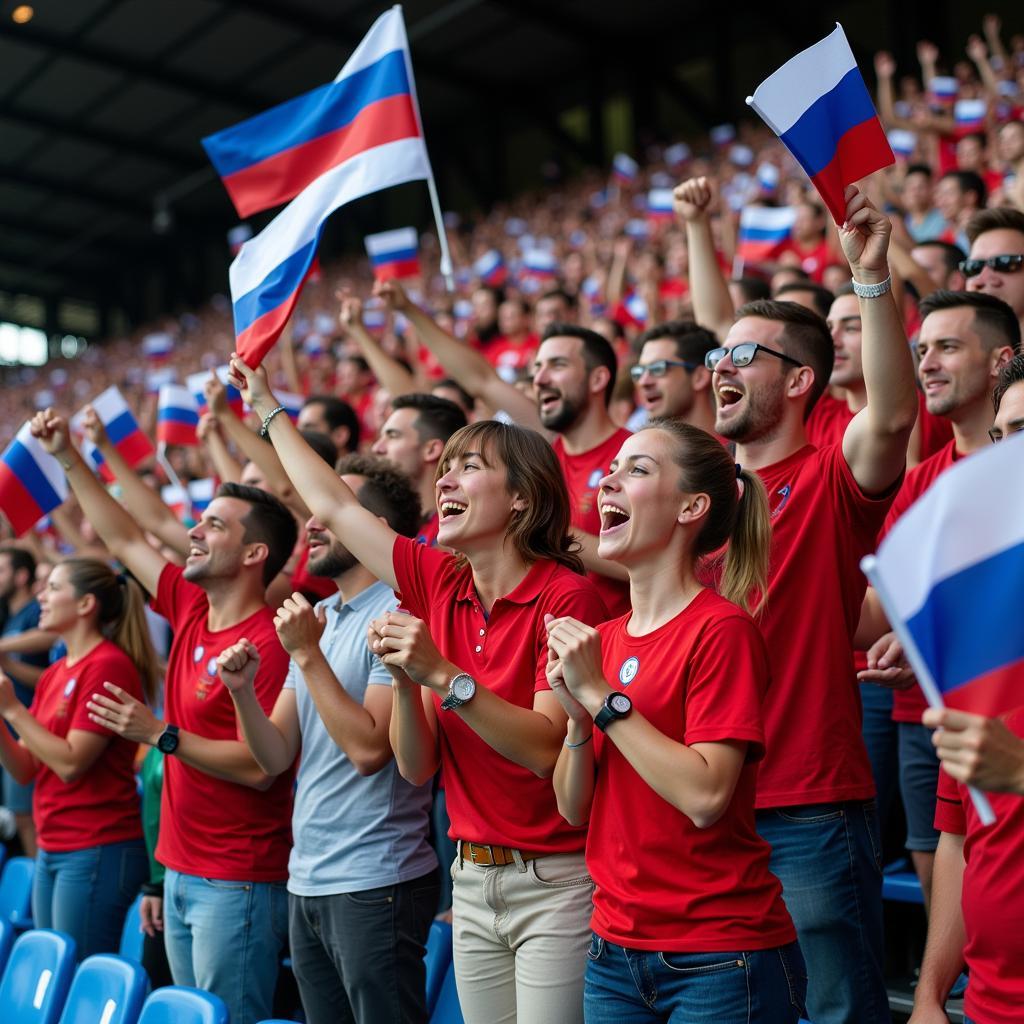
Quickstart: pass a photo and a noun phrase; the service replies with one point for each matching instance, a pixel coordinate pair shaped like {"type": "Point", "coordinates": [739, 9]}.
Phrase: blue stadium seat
{"type": "Point", "coordinates": [439, 958]}
{"type": "Point", "coordinates": [6, 941]}
{"type": "Point", "coordinates": [447, 1010]}
{"type": "Point", "coordinates": [3, 854]}
{"type": "Point", "coordinates": [16, 892]}
{"type": "Point", "coordinates": [131, 933]}
{"type": "Point", "coordinates": [901, 885]}
{"type": "Point", "coordinates": [178, 1005]}
{"type": "Point", "coordinates": [107, 989]}
{"type": "Point", "coordinates": [37, 977]}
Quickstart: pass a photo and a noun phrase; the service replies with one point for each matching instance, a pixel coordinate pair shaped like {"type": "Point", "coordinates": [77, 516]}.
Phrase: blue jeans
{"type": "Point", "coordinates": [87, 893]}
{"type": "Point", "coordinates": [880, 737]}
{"type": "Point", "coordinates": [919, 783]}
{"type": "Point", "coordinates": [633, 986]}
{"type": "Point", "coordinates": [828, 858]}
{"type": "Point", "coordinates": [226, 937]}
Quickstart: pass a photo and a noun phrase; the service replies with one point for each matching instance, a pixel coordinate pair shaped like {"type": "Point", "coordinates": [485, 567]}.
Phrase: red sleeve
{"type": "Point", "coordinates": [41, 684]}
{"type": "Point", "coordinates": [106, 666]}
{"type": "Point", "coordinates": [949, 806]}
{"type": "Point", "coordinates": [728, 680]}
{"type": "Point", "coordinates": [581, 601]}
{"type": "Point", "coordinates": [175, 595]}
{"type": "Point", "coordinates": [418, 570]}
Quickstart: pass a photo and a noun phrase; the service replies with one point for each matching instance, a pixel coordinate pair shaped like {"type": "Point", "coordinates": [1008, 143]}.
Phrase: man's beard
{"type": "Point", "coordinates": [336, 561]}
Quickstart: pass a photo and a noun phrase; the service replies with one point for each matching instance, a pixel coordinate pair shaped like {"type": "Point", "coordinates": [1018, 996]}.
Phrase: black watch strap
{"type": "Point", "coordinates": [609, 713]}
{"type": "Point", "coordinates": [168, 741]}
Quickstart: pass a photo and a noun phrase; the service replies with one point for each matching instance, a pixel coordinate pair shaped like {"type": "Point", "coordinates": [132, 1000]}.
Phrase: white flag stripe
{"type": "Point", "coordinates": [387, 33]}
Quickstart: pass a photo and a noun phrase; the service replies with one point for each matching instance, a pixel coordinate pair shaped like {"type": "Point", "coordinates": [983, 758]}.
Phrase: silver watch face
{"type": "Point", "coordinates": [463, 686]}
{"type": "Point", "coordinates": [620, 703]}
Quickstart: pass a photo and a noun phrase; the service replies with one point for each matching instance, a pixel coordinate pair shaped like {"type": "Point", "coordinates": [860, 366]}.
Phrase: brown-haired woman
{"type": "Point", "coordinates": [689, 923]}
{"type": "Point", "coordinates": [468, 655]}
{"type": "Point", "coordinates": [91, 859]}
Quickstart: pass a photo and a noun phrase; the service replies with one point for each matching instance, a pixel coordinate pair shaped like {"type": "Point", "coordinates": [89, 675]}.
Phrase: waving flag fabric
{"type": "Point", "coordinates": [122, 429]}
{"type": "Point", "coordinates": [624, 168]}
{"type": "Point", "coordinates": [195, 381]}
{"type": "Point", "coordinates": [969, 115]}
{"type": "Point", "coordinates": [659, 204]}
{"type": "Point", "coordinates": [394, 254]}
{"type": "Point", "coordinates": [31, 482]}
{"type": "Point", "coordinates": [951, 574]}
{"type": "Point", "coordinates": [763, 230]}
{"type": "Point", "coordinates": [818, 105]}
{"type": "Point", "coordinates": [177, 416]}
{"type": "Point", "coordinates": [385, 149]}
{"type": "Point", "coordinates": [491, 269]}
{"type": "Point", "coordinates": [158, 346]}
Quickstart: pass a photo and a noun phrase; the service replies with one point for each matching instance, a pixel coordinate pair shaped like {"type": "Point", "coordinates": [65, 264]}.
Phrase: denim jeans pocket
{"type": "Point", "coordinates": [559, 871]}
{"type": "Point", "coordinates": [226, 886]}
{"type": "Point", "coordinates": [701, 963]}
{"type": "Point", "coordinates": [796, 975]}
{"type": "Point", "coordinates": [596, 950]}
{"type": "Point", "coordinates": [373, 897]}
{"type": "Point", "coordinates": [812, 814]}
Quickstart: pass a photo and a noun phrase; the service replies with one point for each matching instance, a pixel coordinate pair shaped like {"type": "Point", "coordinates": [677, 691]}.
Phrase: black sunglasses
{"type": "Point", "coordinates": [743, 355]}
{"type": "Point", "coordinates": [1008, 264]}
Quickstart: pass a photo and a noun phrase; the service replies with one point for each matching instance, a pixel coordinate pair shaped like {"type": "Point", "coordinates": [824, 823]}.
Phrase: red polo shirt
{"type": "Point", "coordinates": [583, 473]}
{"type": "Point", "coordinates": [491, 799]}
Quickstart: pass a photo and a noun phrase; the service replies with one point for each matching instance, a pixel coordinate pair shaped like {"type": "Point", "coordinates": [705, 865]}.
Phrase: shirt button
{"type": "Point", "coordinates": [478, 648]}
{"type": "Point", "coordinates": [482, 632]}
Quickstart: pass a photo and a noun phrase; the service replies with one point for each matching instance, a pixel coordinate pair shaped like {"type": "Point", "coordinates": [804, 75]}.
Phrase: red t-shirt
{"type": "Point", "coordinates": [491, 799]}
{"type": "Point", "coordinates": [813, 260]}
{"type": "Point", "coordinates": [583, 474]}
{"type": "Point", "coordinates": [993, 894]}
{"type": "Point", "coordinates": [935, 432]}
{"type": "Point", "coordinates": [822, 525]}
{"type": "Point", "coordinates": [908, 705]}
{"type": "Point", "coordinates": [209, 826]}
{"type": "Point", "coordinates": [828, 421]}
{"type": "Point", "coordinates": [428, 532]}
{"type": "Point", "coordinates": [101, 805]}
{"type": "Point", "coordinates": [661, 882]}
{"type": "Point", "coordinates": [511, 358]}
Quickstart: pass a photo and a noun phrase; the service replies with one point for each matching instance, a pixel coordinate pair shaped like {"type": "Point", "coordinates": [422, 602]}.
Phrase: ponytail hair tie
{"type": "Point", "coordinates": [739, 471]}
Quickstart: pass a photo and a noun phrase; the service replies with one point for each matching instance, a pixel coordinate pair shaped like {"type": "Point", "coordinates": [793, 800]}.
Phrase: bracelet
{"type": "Point", "coordinates": [871, 291]}
{"type": "Point", "coordinates": [64, 461]}
{"type": "Point", "coordinates": [582, 743]}
{"type": "Point", "coordinates": [268, 418]}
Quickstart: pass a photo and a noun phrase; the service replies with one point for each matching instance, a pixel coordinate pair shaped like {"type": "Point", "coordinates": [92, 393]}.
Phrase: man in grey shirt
{"type": "Point", "coordinates": [363, 879]}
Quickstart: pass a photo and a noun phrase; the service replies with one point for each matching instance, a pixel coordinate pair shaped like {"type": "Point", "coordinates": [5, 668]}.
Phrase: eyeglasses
{"type": "Point", "coordinates": [743, 355]}
{"type": "Point", "coordinates": [658, 368]}
{"type": "Point", "coordinates": [1007, 264]}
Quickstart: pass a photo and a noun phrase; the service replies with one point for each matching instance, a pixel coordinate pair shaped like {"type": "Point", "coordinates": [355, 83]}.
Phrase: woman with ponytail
{"type": "Point", "coordinates": [689, 923]}
{"type": "Point", "coordinates": [91, 859]}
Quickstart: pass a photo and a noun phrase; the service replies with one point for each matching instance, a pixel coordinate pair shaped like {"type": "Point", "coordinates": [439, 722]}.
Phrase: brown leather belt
{"type": "Point", "coordinates": [491, 856]}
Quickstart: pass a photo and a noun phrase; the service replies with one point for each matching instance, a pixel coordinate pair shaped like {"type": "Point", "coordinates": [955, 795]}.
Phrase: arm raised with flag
{"type": "Point", "coordinates": [118, 530]}
{"type": "Point", "coordinates": [875, 442]}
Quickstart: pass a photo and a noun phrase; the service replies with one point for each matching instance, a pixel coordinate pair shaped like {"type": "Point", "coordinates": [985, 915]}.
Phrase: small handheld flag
{"type": "Point", "coordinates": [394, 254]}
{"type": "Point", "coordinates": [943, 88]}
{"type": "Point", "coordinates": [32, 483]}
{"type": "Point", "coordinates": [122, 429]}
{"type": "Point", "coordinates": [659, 204]}
{"type": "Point", "coordinates": [158, 346]}
{"type": "Point", "coordinates": [903, 142]}
{"type": "Point", "coordinates": [820, 108]}
{"type": "Point", "coordinates": [969, 115]}
{"type": "Point", "coordinates": [195, 381]}
{"type": "Point", "coordinates": [177, 416]}
{"type": "Point", "coordinates": [763, 231]}
{"type": "Point", "coordinates": [491, 269]}
{"type": "Point", "coordinates": [624, 168]}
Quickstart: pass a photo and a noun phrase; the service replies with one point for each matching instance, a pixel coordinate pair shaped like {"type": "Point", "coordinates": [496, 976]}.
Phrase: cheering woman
{"type": "Point", "coordinates": [468, 653]}
{"type": "Point", "coordinates": [689, 924]}
{"type": "Point", "coordinates": [91, 859]}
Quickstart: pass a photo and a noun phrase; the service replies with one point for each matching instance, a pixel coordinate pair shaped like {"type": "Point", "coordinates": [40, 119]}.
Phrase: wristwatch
{"type": "Point", "coordinates": [168, 741]}
{"type": "Point", "coordinates": [460, 691]}
{"type": "Point", "coordinates": [616, 705]}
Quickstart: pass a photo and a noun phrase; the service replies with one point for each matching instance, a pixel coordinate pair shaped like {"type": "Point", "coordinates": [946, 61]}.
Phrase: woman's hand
{"type": "Point", "coordinates": [121, 713]}
{"type": "Point", "coordinates": [93, 426]}
{"type": "Point", "coordinates": [238, 664]}
{"type": "Point", "coordinates": [51, 431]}
{"type": "Point", "coordinates": [578, 648]}
{"type": "Point", "coordinates": [399, 677]}
{"type": "Point", "coordinates": [254, 385]}
{"type": "Point", "coordinates": [403, 641]}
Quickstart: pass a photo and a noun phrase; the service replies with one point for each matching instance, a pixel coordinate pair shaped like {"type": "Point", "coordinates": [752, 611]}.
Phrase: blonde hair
{"type": "Point", "coordinates": [121, 614]}
{"type": "Point", "coordinates": [737, 517]}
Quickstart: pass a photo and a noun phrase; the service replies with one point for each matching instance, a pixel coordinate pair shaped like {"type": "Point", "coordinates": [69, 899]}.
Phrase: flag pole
{"type": "Point", "coordinates": [161, 457]}
{"type": "Point", "coordinates": [869, 566]}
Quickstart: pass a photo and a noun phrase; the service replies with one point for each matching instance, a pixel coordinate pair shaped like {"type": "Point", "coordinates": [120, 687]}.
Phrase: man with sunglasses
{"type": "Point", "coordinates": [995, 265]}
{"type": "Point", "coordinates": [815, 788]}
{"type": "Point", "coordinates": [670, 377]}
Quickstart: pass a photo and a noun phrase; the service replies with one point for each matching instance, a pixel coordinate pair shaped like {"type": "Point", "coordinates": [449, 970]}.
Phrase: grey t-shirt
{"type": "Point", "coordinates": [352, 832]}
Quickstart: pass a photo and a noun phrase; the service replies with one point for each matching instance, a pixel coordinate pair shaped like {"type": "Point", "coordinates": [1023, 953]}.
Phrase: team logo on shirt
{"type": "Point", "coordinates": [628, 670]}
{"type": "Point", "coordinates": [783, 494]}
{"type": "Point", "coordinates": [70, 688]}
{"type": "Point", "coordinates": [211, 667]}
{"type": "Point", "coordinates": [197, 654]}
{"type": "Point", "coordinates": [205, 683]}
{"type": "Point", "coordinates": [595, 479]}
{"type": "Point", "coordinates": [65, 702]}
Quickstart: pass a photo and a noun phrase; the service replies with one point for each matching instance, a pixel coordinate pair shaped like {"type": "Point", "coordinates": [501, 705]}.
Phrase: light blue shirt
{"type": "Point", "coordinates": [352, 832]}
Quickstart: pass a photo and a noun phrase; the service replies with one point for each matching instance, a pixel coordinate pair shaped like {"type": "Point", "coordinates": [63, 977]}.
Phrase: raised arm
{"type": "Point", "coordinates": [978, 52]}
{"type": "Point", "coordinates": [122, 535]}
{"type": "Point", "coordinates": [712, 303]}
{"type": "Point", "coordinates": [875, 442]}
{"type": "Point", "coordinates": [326, 495]}
{"type": "Point", "coordinates": [147, 508]}
{"type": "Point", "coordinates": [390, 373]}
{"type": "Point", "coordinates": [464, 365]}
{"type": "Point", "coordinates": [211, 438]}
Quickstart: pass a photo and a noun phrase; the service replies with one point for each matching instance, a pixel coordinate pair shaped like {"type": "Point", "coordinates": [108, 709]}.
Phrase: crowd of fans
{"type": "Point", "coordinates": [545, 465]}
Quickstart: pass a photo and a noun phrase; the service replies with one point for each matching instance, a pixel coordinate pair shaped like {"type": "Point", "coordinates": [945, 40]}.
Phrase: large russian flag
{"type": "Point", "coordinates": [763, 230]}
{"type": "Point", "coordinates": [388, 149]}
{"type": "Point", "coordinates": [950, 574]}
{"type": "Point", "coordinates": [31, 482]}
{"type": "Point", "coordinates": [818, 105]}
{"type": "Point", "coordinates": [122, 428]}
{"type": "Point", "coordinates": [177, 416]}
{"type": "Point", "coordinates": [394, 254]}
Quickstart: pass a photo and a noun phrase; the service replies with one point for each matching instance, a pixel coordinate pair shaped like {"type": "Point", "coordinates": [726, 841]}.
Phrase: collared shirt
{"type": "Point", "coordinates": [492, 799]}
{"type": "Point", "coordinates": [352, 832]}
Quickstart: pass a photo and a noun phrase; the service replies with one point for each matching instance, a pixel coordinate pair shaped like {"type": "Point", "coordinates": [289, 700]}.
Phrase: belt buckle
{"type": "Point", "coordinates": [472, 855]}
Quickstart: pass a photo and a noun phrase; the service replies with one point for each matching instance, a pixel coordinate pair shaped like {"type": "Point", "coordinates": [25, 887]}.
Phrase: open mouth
{"type": "Point", "coordinates": [451, 508]}
{"type": "Point", "coordinates": [612, 518]}
{"type": "Point", "coordinates": [548, 399]}
{"type": "Point", "coordinates": [194, 552]}
{"type": "Point", "coordinates": [934, 385]}
{"type": "Point", "coordinates": [728, 395]}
